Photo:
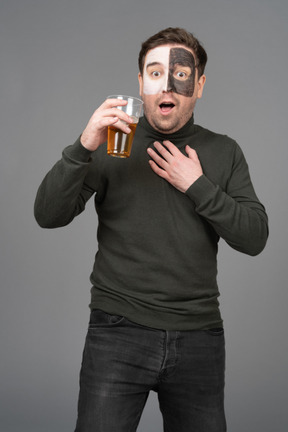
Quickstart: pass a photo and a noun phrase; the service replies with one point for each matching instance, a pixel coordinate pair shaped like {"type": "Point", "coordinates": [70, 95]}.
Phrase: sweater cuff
{"type": "Point", "coordinates": [200, 189]}
{"type": "Point", "coordinates": [78, 152]}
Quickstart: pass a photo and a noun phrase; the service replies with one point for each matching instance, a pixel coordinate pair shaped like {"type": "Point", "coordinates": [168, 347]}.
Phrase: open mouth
{"type": "Point", "coordinates": [166, 107]}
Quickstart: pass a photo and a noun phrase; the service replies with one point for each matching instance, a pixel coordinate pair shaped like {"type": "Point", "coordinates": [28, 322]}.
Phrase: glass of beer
{"type": "Point", "coordinates": [119, 144]}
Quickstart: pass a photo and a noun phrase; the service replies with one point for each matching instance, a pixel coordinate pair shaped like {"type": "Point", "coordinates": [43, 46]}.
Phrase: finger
{"type": "Point", "coordinates": [158, 159]}
{"type": "Point", "coordinates": [159, 171]}
{"type": "Point", "coordinates": [114, 102]}
{"type": "Point", "coordinates": [115, 112]}
{"type": "Point", "coordinates": [115, 122]}
{"type": "Point", "coordinates": [192, 154]}
{"type": "Point", "coordinates": [109, 107]}
{"type": "Point", "coordinates": [122, 126]}
{"type": "Point", "coordinates": [163, 151]}
{"type": "Point", "coordinates": [172, 148]}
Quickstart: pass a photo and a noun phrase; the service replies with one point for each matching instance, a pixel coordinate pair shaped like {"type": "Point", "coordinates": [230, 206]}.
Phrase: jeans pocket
{"type": "Point", "coordinates": [219, 331]}
{"type": "Point", "coordinates": [99, 318]}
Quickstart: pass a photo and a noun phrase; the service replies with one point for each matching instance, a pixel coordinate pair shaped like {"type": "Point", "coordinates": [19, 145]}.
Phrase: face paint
{"type": "Point", "coordinates": [181, 72]}
{"type": "Point", "coordinates": [156, 67]}
{"type": "Point", "coordinates": [169, 69]}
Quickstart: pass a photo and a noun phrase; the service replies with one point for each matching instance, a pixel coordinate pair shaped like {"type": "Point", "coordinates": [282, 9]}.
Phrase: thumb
{"type": "Point", "coordinates": [190, 152]}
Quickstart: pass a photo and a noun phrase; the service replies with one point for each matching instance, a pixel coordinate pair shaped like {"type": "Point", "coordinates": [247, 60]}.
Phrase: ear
{"type": "Point", "coordinates": [140, 79]}
{"type": "Point", "coordinates": [200, 86]}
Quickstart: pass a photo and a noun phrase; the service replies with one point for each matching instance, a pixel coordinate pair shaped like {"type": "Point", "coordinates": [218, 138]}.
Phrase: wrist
{"type": "Point", "coordinates": [86, 143]}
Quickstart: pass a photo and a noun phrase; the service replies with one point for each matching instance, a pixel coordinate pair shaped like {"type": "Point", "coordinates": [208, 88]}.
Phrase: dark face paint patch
{"type": "Point", "coordinates": [181, 57]}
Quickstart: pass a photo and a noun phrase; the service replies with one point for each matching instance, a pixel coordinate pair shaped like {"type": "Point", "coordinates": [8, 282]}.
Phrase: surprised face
{"type": "Point", "coordinates": [170, 87]}
{"type": "Point", "coordinates": [169, 69]}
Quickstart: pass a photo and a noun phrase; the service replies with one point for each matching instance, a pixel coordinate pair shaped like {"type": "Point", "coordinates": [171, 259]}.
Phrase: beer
{"type": "Point", "coordinates": [119, 144]}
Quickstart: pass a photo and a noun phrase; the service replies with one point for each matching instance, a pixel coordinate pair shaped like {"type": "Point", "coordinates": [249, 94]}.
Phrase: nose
{"type": "Point", "coordinates": [170, 87]}
{"type": "Point", "coordinates": [167, 84]}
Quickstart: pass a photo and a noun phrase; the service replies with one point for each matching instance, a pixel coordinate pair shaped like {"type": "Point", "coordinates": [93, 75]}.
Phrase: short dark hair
{"type": "Point", "coordinates": [175, 35]}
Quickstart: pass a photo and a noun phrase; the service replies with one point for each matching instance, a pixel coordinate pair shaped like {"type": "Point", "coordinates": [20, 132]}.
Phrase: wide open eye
{"type": "Point", "coordinates": [155, 74]}
{"type": "Point", "coordinates": [181, 75]}
{"type": "Point", "coordinates": [181, 72]}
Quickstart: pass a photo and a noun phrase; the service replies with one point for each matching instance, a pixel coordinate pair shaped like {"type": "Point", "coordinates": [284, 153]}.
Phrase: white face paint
{"type": "Point", "coordinates": [156, 70]}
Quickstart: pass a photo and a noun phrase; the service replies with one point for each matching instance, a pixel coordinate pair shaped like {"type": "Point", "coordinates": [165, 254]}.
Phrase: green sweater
{"type": "Point", "coordinates": [156, 262]}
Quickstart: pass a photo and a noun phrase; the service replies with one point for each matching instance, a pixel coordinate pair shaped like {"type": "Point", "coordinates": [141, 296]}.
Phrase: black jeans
{"type": "Point", "coordinates": [123, 361]}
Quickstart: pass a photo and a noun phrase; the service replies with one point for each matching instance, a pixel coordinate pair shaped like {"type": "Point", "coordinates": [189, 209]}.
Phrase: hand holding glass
{"type": "Point", "coordinates": [119, 144]}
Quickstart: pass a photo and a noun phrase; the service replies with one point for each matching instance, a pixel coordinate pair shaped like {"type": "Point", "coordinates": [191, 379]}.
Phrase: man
{"type": "Point", "coordinates": [155, 322]}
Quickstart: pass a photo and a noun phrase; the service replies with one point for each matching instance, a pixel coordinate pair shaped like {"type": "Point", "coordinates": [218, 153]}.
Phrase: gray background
{"type": "Point", "coordinates": [59, 60]}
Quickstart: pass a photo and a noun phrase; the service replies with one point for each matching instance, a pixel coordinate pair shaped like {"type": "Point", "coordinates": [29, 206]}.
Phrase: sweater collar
{"type": "Point", "coordinates": [183, 132]}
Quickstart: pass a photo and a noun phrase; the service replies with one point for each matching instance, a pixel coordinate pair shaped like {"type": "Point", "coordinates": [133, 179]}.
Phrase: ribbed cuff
{"type": "Point", "coordinates": [200, 190]}
{"type": "Point", "coordinates": [78, 152]}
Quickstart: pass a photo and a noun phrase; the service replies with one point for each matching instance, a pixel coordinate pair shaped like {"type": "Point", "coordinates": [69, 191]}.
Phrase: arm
{"type": "Point", "coordinates": [235, 214]}
{"type": "Point", "coordinates": [63, 193]}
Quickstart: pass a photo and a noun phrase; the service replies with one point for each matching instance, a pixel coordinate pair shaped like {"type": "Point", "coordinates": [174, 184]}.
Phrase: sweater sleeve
{"type": "Point", "coordinates": [63, 193]}
{"type": "Point", "coordinates": [236, 214]}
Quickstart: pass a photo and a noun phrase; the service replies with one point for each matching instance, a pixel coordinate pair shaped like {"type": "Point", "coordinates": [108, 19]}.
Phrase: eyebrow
{"type": "Point", "coordinates": [153, 64]}
{"type": "Point", "coordinates": [180, 64]}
